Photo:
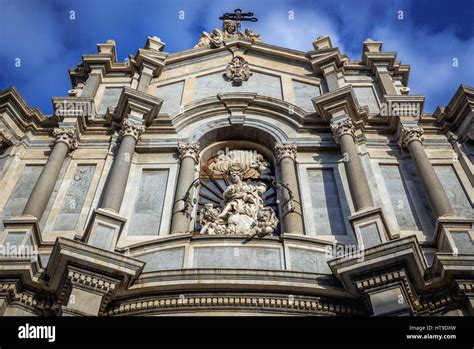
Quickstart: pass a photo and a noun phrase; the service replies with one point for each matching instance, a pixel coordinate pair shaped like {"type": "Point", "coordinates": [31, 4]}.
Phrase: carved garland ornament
{"type": "Point", "coordinates": [409, 134]}
{"type": "Point", "coordinates": [66, 135]}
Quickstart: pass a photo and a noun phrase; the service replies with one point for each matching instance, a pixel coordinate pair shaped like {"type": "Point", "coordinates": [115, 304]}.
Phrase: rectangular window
{"type": "Point", "coordinates": [327, 213]}
{"type": "Point", "coordinates": [148, 208]}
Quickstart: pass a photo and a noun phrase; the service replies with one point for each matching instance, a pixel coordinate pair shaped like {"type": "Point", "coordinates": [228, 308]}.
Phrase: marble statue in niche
{"type": "Point", "coordinates": [242, 210]}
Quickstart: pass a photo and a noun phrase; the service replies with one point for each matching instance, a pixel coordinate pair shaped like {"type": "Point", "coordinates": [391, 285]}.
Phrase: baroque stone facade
{"type": "Point", "coordinates": [237, 177]}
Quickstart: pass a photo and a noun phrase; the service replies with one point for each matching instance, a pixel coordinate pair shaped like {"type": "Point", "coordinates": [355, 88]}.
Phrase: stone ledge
{"type": "Point", "coordinates": [67, 252]}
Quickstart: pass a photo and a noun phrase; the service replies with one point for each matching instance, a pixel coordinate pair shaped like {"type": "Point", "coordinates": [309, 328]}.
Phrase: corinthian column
{"type": "Point", "coordinates": [66, 139]}
{"type": "Point", "coordinates": [292, 218]}
{"type": "Point", "coordinates": [344, 135]}
{"type": "Point", "coordinates": [118, 177]}
{"type": "Point", "coordinates": [189, 156]}
{"type": "Point", "coordinates": [412, 138]}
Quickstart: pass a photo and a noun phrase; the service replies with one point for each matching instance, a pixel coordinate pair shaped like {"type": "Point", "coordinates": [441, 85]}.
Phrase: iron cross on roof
{"type": "Point", "coordinates": [238, 16]}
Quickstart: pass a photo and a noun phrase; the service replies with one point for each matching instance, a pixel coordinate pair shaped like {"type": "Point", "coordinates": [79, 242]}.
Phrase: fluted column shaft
{"type": "Point", "coordinates": [118, 177]}
{"type": "Point", "coordinates": [292, 215]}
{"type": "Point", "coordinates": [182, 210]}
{"type": "Point", "coordinates": [358, 184]}
{"type": "Point", "coordinates": [66, 140]}
{"type": "Point", "coordinates": [411, 137]}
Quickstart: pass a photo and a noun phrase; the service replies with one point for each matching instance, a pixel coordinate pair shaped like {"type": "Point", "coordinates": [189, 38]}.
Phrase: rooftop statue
{"type": "Point", "coordinates": [230, 30]}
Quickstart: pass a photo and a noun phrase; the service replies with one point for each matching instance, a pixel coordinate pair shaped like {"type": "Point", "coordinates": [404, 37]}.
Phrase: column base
{"type": "Point", "coordinates": [369, 227]}
{"type": "Point", "coordinates": [455, 235]}
{"type": "Point", "coordinates": [104, 229]}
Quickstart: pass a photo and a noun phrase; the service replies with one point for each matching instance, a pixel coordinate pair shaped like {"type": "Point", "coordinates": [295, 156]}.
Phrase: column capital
{"type": "Point", "coordinates": [66, 135]}
{"type": "Point", "coordinates": [285, 151]}
{"type": "Point", "coordinates": [409, 134]}
{"type": "Point", "coordinates": [341, 128]}
{"type": "Point", "coordinates": [131, 129]}
{"type": "Point", "coordinates": [189, 150]}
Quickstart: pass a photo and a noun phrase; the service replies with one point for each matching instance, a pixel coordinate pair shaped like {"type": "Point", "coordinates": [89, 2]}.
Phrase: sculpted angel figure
{"type": "Point", "coordinates": [216, 37]}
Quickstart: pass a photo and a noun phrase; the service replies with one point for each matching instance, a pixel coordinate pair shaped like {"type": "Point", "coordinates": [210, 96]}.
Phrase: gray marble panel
{"type": "Point", "coordinates": [309, 261]}
{"type": "Point", "coordinates": [303, 93]}
{"type": "Point", "coordinates": [366, 97]}
{"type": "Point", "coordinates": [237, 257]}
{"type": "Point", "coordinates": [456, 194]}
{"type": "Point", "coordinates": [171, 95]}
{"type": "Point", "coordinates": [163, 260]}
{"type": "Point", "coordinates": [104, 236]}
{"type": "Point", "coordinates": [401, 202]}
{"type": "Point", "coordinates": [148, 209]}
{"type": "Point", "coordinates": [463, 242]}
{"type": "Point", "coordinates": [327, 213]}
{"type": "Point", "coordinates": [14, 239]}
{"type": "Point", "coordinates": [389, 301]}
{"type": "Point", "coordinates": [74, 200]}
{"type": "Point", "coordinates": [17, 200]}
{"type": "Point", "coordinates": [54, 194]}
{"type": "Point", "coordinates": [370, 235]}
{"type": "Point", "coordinates": [109, 99]}
{"type": "Point", "coordinates": [263, 84]}
{"type": "Point", "coordinates": [419, 196]}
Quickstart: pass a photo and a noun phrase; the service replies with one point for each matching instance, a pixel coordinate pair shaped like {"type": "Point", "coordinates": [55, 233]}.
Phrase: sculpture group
{"type": "Point", "coordinates": [242, 210]}
{"type": "Point", "coordinates": [229, 31]}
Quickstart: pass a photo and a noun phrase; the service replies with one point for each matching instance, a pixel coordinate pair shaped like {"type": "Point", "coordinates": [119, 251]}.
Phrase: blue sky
{"type": "Point", "coordinates": [41, 33]}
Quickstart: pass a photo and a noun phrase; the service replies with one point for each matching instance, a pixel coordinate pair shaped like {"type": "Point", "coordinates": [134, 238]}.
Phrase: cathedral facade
{"type": "Point", "coordinates": [237, 178]}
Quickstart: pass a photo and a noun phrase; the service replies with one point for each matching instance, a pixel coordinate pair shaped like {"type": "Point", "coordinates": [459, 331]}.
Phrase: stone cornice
{"type": "Point", "coordinates": [246, 44]}
{"type": "Point", "coordinates": [251, 303]}
{"type": "Point", "coordinates": [372, 56]}
{"type": "Point", "coordinates": [15, 108]}
{"type": "Point", "coordinates": [405, 251]}
{"type": "Point", "coordinates": [340, 102]}
{"type": "Point", "coordinates": [226, 103]}
{"type": "Point", "coordinates": [67, 253]}
{"type": "Point", "coordinates": [137, 105]}
{"type": "Point", "coordinates": [324, 57]}
{"type": "Point", "coordinates": [458, 115]}
{"type": "Point", "coordinates": [15, 292]}
{"type": "Point", "coordinates": [154, 60]}
{"type": "Point", "coordinates": [105, 60]}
